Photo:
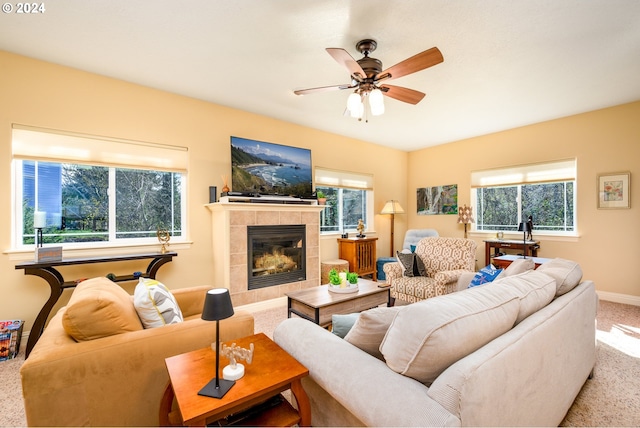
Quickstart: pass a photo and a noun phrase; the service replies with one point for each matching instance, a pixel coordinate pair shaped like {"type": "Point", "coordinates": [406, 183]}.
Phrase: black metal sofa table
{"type": "Point", "coordinates": [49, 273]}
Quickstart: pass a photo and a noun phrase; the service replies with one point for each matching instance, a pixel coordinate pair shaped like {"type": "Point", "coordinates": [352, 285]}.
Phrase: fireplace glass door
{"type": "Point", "coordinates": [276, 255]}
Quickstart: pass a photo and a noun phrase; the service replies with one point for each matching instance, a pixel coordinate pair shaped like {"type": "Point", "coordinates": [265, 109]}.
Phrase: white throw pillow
{"type": "Point", "coordinates": [427, 337]}
{"type": "Point", "coordinates": [155, 304]}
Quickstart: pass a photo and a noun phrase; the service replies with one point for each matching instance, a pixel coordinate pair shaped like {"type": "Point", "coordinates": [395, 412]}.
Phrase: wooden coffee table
{"type": "Point", "coordinates": [318, 304]}
{"type": "Point", "coordinates": [271, 372]}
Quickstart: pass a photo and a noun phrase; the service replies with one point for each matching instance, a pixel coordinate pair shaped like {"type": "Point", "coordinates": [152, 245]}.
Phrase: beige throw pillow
{"type": "Point", "coordinates": [369, 329]}
{"type": "Point", "coordinates": [516, 267]}
{"type": "Point", "coordinates": [98, 308]}
{"type": "Point", "coordinates": [567, 274]}
{"type": "Point", "coordinates": [427, 337]}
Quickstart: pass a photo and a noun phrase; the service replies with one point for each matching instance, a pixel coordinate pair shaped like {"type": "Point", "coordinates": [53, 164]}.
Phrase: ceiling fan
{"type": "Point", "coordinates": [367, 74]}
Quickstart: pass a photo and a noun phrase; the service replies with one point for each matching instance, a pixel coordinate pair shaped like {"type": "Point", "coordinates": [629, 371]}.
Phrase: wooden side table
{"type": "Point", "coordinates": [272, 371]}
{"type": "Point", "coordinates": [503, 262]}
{"type": "Point", "coordinates": [360, 253]}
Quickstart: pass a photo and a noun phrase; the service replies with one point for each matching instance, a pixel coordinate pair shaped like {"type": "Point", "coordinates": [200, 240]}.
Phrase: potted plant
{"type": "Point", "coordinates": [352, 277]}
{"type": "Point", "coordinates": [334, 278]}
{"type": "Point", "coordinates": [322, 198]}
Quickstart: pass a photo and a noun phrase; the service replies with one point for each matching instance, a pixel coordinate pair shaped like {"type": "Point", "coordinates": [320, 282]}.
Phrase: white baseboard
{"type": "Point", "coordinates": [619, 298]}
{"type": "Point", "coordinates": [264, 305]}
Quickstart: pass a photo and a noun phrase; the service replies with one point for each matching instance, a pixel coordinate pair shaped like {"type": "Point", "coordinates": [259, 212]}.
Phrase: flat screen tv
{"type": "Point", "coordinates": [270, 169]}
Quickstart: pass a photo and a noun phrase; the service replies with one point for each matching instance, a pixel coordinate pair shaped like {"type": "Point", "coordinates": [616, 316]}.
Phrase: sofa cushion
{"type": "Point", "coordinates": [485, 275]}
{"type": "Point", "coordinates": [98, 308]}
{"type": "Point", "coordinates": [535, 289]}
{"type": "Point", "coordinates": [567, 274]}
{"type": "Point", "coordinates": [370, 327]}
{"type": "Point", "coordinates": [427, 337]}
{"type": "Point", "coordinates": [155, 304]}
{"type": "Point", "coordinates": [517, 267]}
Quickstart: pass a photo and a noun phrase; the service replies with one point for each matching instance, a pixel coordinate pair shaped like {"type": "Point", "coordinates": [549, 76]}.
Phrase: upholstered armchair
{"type": "Point", "coordinates": [441, 262]}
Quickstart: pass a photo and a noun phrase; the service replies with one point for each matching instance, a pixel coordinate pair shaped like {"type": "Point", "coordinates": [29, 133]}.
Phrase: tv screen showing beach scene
{"type": "Point", "coordinates": [270, 169]}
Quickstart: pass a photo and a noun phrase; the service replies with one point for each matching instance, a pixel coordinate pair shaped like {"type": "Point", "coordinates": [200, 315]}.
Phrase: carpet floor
{"type": "Point", "coordinates": [611, 398]}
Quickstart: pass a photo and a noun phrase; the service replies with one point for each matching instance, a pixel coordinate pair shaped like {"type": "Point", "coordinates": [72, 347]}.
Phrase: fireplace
{"type": "Point", "coordinates": [275, 255]}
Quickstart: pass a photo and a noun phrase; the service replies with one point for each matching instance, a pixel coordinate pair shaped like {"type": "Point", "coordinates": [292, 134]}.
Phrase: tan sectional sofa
{"type": "Point", "coordinates": [510, 353]}
{"type": "Point", "coordinates": [113, 373]}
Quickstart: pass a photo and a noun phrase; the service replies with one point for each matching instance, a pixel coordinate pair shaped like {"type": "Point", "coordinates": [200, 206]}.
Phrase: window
{"type": "Point", "coordinates": [86, 199]}
{"type": "Point", "coordinates": [349, 197]}
{"type": "Point", "coordinates": [507, 196]}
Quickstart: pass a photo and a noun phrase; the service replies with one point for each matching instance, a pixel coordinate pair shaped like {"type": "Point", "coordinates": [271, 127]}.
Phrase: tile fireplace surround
{"type": "Point", "coordinates": [229, 228]}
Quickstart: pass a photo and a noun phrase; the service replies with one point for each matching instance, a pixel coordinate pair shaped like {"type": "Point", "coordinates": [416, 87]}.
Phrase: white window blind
{"type": "Point", "coordinates": [55, 146]}
{"type": "Point", "coordinates": [352, 180]}
{"type": "Point", "coordinates": [562, 170]}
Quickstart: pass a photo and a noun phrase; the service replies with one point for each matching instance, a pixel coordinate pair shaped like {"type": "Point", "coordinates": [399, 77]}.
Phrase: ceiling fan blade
{"type": "Point", "coordinates": [418, 62]}
{"type": "Point", "coordinates": [321, 89]}
{"type": "Point", "coordinates": [346, 60]}
{"type": "Point", "coordinates": [402, 94]}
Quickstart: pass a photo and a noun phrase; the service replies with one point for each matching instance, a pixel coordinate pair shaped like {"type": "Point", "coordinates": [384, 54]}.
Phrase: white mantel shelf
{"type": "Point", "coordinates": [247, 206]}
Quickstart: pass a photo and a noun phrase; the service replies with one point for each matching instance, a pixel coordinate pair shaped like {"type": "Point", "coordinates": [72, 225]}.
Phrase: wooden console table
{"type": "Point", "coordinates": [48, 272]}
{"type": "Point", "coordinates": [360, 253]}
{"type": "Point", "coordinates": [529, 248]}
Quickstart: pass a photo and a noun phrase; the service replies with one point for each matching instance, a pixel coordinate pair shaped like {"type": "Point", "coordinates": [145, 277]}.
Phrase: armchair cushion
{"type": "Point", "coordinates": [99, 308]}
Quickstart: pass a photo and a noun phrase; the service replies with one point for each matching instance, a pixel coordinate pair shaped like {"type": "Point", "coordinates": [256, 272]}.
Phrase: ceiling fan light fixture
{"type": "Point", "coordinates": [354, 105]}
{"type": "Point", "coordinates": [376, 102]}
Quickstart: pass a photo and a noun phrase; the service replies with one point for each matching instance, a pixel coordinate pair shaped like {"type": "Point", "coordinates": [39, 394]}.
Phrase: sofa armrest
{"type": "Point", "coordinates": [191, 299]}
{"type": "Point", "coordinates": [392, 270]}
{"type": "Point", "coordinates": [113, 381]}
{"type": "Point", "coordinates": [359, 382]}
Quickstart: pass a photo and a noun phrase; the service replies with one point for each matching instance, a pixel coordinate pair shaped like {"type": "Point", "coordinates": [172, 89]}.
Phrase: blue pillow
{"type": "Point", "coordinates": [341, 324]}
{"type": "Point", "coordinates": [484, 276]}
{"type": "Point", "coordinates": [413, 248]}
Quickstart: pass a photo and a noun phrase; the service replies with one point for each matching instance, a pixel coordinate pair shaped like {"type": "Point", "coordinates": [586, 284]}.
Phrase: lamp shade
{"type": "Point", "coordinates": [524, 227]}
{"type": "Point", "coordinates": [392, 207]}
{"type": "Point", "coordinates": [376, 102]}
{"type": "Point", "coordinates": [354, 105]}
{"type": "Point", "coordinates": [465, 214]}
{"type": "Point", "coordinates": [217, 305]}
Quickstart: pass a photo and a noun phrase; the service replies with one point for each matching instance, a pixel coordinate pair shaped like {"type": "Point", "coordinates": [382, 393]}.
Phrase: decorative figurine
{"type": "Point", "coordinates": [225, 187]}
{"type": "Point", "coordinates": [235, 370]}
{"type": "Point", "coordinates": [360, 229]}
{"type": "Point", "coordinates": [163, 236]}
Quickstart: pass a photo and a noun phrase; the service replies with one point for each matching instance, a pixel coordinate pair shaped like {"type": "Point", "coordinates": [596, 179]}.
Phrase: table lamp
{"type": "Point", "coordinates": [217, 306]}
{"type": "Point", "coordinates": [524, 227]}
{"type": "Point", "coordinates": [392, 207]}
{"type": "Point", "coordinates": [465, 217]}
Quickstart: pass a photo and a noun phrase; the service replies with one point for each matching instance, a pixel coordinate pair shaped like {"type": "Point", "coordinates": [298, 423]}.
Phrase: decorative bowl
{"type": "Point", "coordinates": [351, 288]}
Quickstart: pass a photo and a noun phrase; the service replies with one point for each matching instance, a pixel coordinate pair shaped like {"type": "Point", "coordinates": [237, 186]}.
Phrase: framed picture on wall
{"type": "Point", "coordinates": [614, 190]}
{"type": "Point", "coordinates": [437, 200]}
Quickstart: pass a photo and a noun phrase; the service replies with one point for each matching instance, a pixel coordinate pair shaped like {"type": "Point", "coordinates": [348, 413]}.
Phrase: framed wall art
{"type": "Point", "coordinates": [438, 200]}
{"type": "Point", "coordinates": [614, 190]}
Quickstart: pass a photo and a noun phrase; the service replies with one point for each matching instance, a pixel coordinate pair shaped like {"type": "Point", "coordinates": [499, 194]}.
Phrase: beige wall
{"type": "Point", "coordinates": [45, 95]}
{"type": "Point", "coordinates": [603, 141]}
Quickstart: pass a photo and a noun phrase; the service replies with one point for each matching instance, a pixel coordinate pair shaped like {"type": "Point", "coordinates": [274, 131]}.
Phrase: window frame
{"type": "Point", "coordinates": [560, 171]}
{"type": "Point", "coordinates": [347, 180]}
{"type": "Point", "coordinates": [175, 162]}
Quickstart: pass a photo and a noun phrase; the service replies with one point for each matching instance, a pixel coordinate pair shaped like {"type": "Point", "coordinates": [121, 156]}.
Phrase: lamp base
{"type": "Point", "coordinates": [231, 373]}
{"type": "Point", "coordinates": [210, 389]}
